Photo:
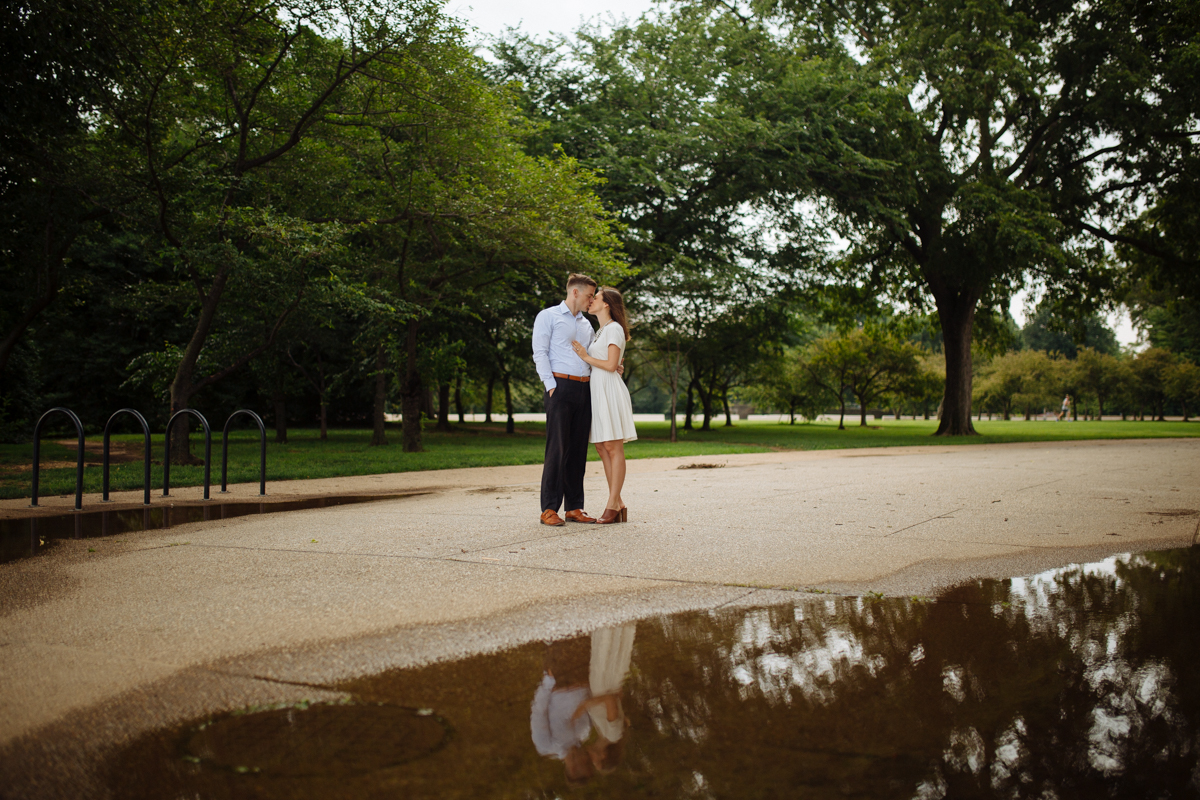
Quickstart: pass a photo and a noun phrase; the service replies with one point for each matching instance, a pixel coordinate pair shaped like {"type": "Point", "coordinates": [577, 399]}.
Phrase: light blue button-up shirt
{"type": "Point", "coordinates": [553, 331]}
{"type": "Point", "coordinates": [555, 730]}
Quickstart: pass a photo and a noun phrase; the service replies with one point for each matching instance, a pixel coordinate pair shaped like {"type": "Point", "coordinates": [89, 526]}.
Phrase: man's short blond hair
{"type": "Point", "coordinates": [579, 281]}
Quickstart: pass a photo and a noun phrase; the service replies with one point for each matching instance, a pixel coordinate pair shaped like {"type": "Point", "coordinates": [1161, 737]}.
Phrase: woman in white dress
{"type": "Point", "coordinates": [612, 411]}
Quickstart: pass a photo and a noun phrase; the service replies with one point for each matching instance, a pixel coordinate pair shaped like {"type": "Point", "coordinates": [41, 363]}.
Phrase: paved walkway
{"type": "Point", "coordinates": [101, 639]}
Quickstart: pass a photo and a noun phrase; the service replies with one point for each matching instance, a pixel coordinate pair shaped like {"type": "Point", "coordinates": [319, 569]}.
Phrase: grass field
{"type": "Point", "coordinates": [347, 452]}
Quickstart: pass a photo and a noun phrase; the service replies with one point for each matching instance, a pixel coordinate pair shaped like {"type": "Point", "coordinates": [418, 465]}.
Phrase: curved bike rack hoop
{"type": "Point", "coordinates": [207, 450]}
{"type": "Point", "coordinates": [37, 455]}
{"type": "Point", "coordinates": [146, 458]}
{"type": "Point", "coordinates": [262, 451]}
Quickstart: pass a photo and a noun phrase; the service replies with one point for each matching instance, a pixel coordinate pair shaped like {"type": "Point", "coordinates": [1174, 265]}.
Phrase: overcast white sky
{"type": "Point", "coordinates": [543, 17]}
{"type": "Point", "coordinates": [540, 17]}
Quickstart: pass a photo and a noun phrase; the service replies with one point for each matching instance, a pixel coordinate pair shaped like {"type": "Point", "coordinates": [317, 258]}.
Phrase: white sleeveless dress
{"type": "Point", "coordinates": [612, 411]}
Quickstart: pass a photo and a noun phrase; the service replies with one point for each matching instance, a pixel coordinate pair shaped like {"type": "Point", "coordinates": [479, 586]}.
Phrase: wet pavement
{"type": "Point", "coordinates": [1080, 682]}
{"type": "Point", "coordinates": [109, 640]}
{"type": "Point", "coordinates": [22, 538]}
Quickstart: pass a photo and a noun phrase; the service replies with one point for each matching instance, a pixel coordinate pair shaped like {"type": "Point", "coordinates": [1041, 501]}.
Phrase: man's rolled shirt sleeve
{"type": "Point", "coordinates": [539, 718]}
{"type": "Point", "coordinates": [542, 328]}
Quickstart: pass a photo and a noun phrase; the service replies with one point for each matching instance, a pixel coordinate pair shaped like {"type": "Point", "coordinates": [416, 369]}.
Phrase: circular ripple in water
{"type": "Point", "coordinates": [327, 740]}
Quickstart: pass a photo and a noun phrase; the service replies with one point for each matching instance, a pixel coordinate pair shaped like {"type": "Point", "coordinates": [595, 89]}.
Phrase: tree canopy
{"type": "Point", "coordinates": [340, 200]}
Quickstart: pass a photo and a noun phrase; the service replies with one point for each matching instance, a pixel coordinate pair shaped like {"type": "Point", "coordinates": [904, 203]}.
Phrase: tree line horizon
{"type": "Point", "coordinates": [343, 207]}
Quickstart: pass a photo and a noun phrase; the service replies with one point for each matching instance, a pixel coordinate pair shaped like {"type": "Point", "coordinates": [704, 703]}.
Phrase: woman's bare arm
{"type": "Point", "coordinates": [610, 364]}
{"type": "Point", "coordinates": [609, 701]}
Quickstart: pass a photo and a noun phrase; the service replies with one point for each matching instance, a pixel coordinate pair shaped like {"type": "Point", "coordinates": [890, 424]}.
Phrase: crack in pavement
{"type": "Point", "coordinates": [922, 522]}
{"type": "Point", "coordinates": [1036, 485]}
{"type": "Point", "coordinates": [740, 597]}
{"type": "Point", "coordinates": [456, 560]}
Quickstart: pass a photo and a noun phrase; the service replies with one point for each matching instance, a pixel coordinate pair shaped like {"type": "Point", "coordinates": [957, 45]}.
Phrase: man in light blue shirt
{"type": "Point", "coordinates": [568, 400]}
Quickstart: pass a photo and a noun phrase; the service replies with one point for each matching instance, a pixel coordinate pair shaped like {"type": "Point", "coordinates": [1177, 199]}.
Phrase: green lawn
{"type": "Point", "coordinates": [476, 445]}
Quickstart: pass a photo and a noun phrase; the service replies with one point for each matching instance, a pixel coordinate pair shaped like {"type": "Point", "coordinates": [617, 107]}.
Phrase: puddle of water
{"type": "Point", "coordinates": [20, 538]}
{"type": "Point", "coordinates": [319, 739]}
{"type": "Point", "coordinates": [1082, 682]}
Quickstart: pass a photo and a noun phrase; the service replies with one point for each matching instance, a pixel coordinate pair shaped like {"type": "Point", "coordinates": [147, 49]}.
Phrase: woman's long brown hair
{"type": "Point", "coordinates": [616, 308]}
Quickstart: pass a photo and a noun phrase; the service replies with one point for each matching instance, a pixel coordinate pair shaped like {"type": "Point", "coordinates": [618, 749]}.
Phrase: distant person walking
{"type": "Point", "coordinates": [612, 410]}
{"type": "Point", "coordinates": [568, 400]}
{"type": "Point", "coordinates": [1066, 408]}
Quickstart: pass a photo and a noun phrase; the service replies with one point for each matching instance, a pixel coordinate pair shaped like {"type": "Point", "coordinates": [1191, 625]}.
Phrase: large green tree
{"type": "Point", "coordinates": [641, 102]}
{"type": "Point", "coordinates": [230, 122]}
{"type": "Point", "coordinates": [965, 150]}
{"type": "Point", "coordinates": [248, 149]}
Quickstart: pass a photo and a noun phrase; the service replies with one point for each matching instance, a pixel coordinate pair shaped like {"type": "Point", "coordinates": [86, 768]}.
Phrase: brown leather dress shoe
{"type": "Point", "coordinates": [577, 515]}
{"type": "Point", "coordinates": [551, 517]}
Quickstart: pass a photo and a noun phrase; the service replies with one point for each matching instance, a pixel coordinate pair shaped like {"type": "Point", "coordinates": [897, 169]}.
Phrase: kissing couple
{"type": "Point", "coordinates": [585, 398]}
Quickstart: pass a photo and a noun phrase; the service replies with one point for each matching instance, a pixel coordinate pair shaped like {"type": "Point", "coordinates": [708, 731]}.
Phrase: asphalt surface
{"type": "Point", "coordinates": [103, 639]}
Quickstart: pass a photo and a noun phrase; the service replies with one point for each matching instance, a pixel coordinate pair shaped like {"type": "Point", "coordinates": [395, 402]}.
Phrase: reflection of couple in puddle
{"type": "Point", "coordinates": [577, 713]}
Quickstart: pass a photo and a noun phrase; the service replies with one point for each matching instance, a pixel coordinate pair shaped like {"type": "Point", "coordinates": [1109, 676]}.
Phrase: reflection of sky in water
{"type": "Point", "coordinates": [1082, 682]}
{"type": "Point", "coordinates": [1126, 698]}
{"type": "Point", "coordinates": [1130, 698]}
{"type": "Point", "coordinates": [812, 671]}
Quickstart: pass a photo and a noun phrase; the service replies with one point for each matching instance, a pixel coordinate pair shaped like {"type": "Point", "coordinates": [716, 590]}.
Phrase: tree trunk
{"type": "Point", "coordinates": [279, 402]}
{"type": "Point", "coordinates": [842, 413]}
{"type": "Point", "coordinates": [324, 426]}
{"type": "Point", "coordinates": [181, 445]}
{"type": "Point", "coordinates": [862, 413]}
{"type": "Point", "coordinates": [378, 434]}
{"type": "Point", "coordinates": [510, 425]}
{"type": "Point", "coordinates": [706, 401]}
{"type": "Point", "coordinates": [674, 406]}
{"type": "Point", "coordinates": [956, 309]}
{"type": "Point", "coordinates": [443, 412]}
{"type": "Point", "coordinates": [689, 407]}
{"type": "Point", "coordinates": [458, 404]}
{"type": "Point", "coordinates": [728, 416]}
{"type": "Point", "coordinates": [181, 386]}
{"type": "Point", "coordinates": [411, 393]}
{"type": "Point", "coordinates": [706, 406]}
{"type": "Point", "coordinates": [487, 403]}
{"type": "Point", "coordinates": [427, 401]}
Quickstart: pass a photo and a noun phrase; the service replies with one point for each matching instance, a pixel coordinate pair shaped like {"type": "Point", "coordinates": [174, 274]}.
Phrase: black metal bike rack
{"type": "Point", "coordinates": [37, 455]}
{"type": "Point", "coordinates": [167, 459]}
{"type": "Point", "coordinates": [145, 460]}
{"type": "Point", "coordinates": [262, 461]}
{"type": "Point", "coordinates": [262, 451]}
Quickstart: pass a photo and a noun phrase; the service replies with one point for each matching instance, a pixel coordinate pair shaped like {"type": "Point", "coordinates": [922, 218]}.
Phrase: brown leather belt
{"type": "Point", "coordinates": [566, 377]}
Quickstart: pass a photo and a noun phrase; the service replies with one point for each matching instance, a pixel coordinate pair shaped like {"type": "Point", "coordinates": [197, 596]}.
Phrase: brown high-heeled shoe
{"type": "Point", "coordinates": [609, 516]}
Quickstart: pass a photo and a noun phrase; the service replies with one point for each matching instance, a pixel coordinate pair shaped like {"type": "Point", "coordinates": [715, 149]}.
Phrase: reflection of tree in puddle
{"type": "Point", "coordinates": [1078, 682]}
{"type": "Point", "coordinates": [1081, 682]}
